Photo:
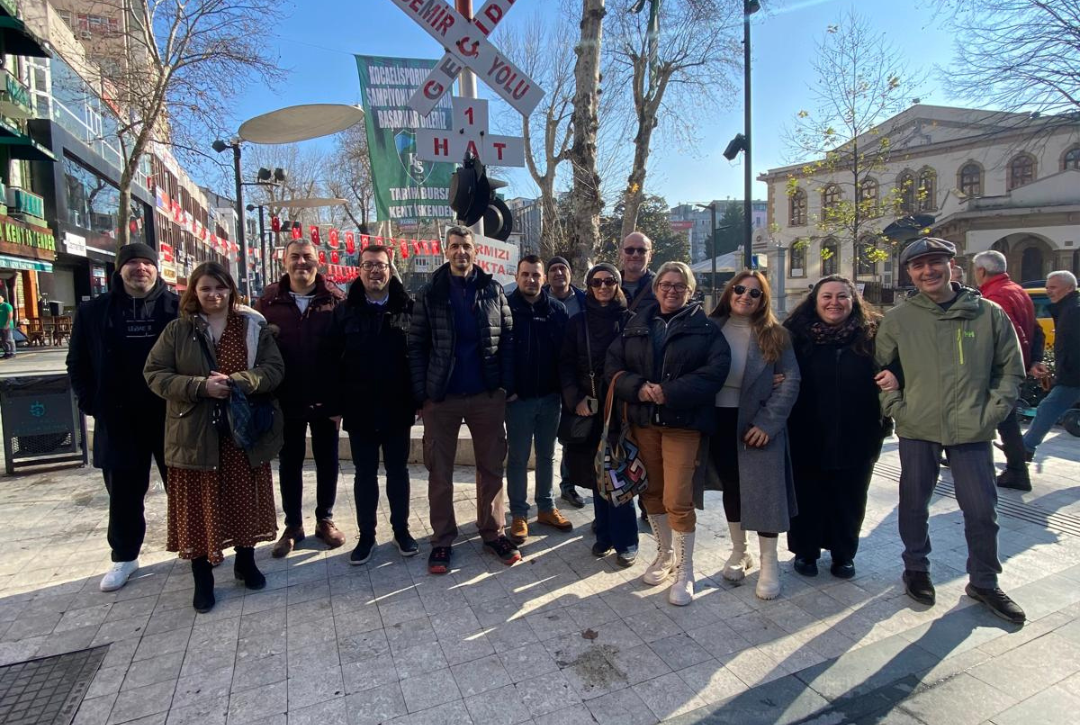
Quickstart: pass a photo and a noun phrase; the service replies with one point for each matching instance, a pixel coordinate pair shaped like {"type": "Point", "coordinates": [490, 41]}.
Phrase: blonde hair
{"type": "Point", "coordinates": [682, 269]}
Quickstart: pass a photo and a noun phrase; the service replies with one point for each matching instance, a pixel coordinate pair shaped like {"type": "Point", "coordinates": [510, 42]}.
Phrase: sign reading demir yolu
{"type": "Point", "coordinates": [407, 188]}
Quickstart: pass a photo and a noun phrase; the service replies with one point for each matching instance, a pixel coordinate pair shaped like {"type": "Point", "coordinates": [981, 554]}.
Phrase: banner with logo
{"type": "Point", "coordinates": [407, 190]}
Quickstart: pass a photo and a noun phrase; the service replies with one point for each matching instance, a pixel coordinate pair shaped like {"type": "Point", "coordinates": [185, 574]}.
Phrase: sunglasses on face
{"type": "Point", "coordinates": [597, 283]}
{"type": "Point", "coordinates": [631, 251]}
{"type": "Point", "coordinates": [741, 289]}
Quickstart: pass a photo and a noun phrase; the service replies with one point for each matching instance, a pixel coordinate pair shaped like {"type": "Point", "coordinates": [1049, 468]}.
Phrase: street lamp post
{"type": "Point", "coordinates": [749, 8]}
{"type": "Point", "coordinates": [262, 240]}
{"type": "Point", "coordinates": [234, 144]}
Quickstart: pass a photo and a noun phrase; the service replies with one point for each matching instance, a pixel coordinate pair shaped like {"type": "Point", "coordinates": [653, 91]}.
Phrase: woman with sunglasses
{"type": "Point", "coordinates": [836, 425]}
{"type": "Point", "coordinates": [581, 372]}
{"type": "Point", "coordinates": [749, 449]}
{"type": "Point", "coordinates": [667, 365]}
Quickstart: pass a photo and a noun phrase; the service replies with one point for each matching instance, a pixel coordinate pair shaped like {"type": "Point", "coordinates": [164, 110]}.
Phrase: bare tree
{"type": "Point", "coordinates": [1015, 55]}
{"type": "Point", "coordinates": [680, 58]}
{"type": "Point", "coordinates": [860, 83]}
{"type": "Point", "coordinates": [349, 177]}
{"type": "Point", "coordinates": [177, 63]}
{"type": "Point", "coordinates": [305, 168]}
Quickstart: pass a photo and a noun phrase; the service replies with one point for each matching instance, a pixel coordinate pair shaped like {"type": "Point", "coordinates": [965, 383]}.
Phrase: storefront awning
{"type": "Point", "coordinates": [21, 146]}
{"type": "Point", "coordinates": [36, 265]}
{"type": "Point", "coordinates": [20, 41]}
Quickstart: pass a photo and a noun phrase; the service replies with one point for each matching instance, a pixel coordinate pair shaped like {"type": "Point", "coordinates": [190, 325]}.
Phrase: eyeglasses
{"type": "Point", "coordinates": [672, 287]}
{"type": "Point", "coordinates": [631, 251]}
{"type": "Point", "coordinates": [374, 266]}
{"type": "Point", "coordinates": [741, 289]}
{"type": "Point", "coordinates": [598, 282]}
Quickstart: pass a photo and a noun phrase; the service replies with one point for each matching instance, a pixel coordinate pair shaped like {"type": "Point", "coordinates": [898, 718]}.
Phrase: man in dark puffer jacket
{"type": "Point", "coordinates": [461, 359]}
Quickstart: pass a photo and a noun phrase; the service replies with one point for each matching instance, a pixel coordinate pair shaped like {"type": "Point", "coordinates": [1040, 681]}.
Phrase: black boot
{"type": "Point", "coordinates": [245, 569]}
{"type": "Point", "coordinates": [203, 574]}
{"type": "Point", "coordinates": [1018, 480]}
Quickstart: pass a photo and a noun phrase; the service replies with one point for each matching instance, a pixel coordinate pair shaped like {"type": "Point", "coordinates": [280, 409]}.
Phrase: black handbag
{"type": "Point", "coordinates": [243, 419]}
{"type": "Point", "coordinates": [574, 428]}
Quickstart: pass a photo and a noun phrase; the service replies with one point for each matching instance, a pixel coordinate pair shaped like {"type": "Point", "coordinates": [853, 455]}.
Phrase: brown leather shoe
{"type": "Point", "coordinates": [289, 538]}
{"type": "Point", "coordinates": [555, 519]}
{"type": "Point", "coordinates": [519, 530]}
{"type": "Point", "coordinates": [329, 533]}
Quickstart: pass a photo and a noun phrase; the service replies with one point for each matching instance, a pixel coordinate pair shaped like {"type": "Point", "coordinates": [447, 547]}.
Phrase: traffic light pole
{"type": "Point", "coordinates": [467, 86]}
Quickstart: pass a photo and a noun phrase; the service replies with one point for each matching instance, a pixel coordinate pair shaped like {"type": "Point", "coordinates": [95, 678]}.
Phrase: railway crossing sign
{"type": "Point", "coordinates": [469, 136]}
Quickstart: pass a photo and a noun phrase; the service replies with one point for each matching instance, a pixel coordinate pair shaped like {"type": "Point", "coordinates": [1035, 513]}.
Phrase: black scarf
{"type": "Point", "coordinates": [842, 334]}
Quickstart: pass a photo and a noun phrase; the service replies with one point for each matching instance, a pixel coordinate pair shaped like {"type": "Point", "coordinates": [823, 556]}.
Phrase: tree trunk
{"type": "Point", "coordinates": [635, 183]}
{"type": "Point", "coordinates": [585, 201]}
{"type": "Point", "coordinates": [551, 231]}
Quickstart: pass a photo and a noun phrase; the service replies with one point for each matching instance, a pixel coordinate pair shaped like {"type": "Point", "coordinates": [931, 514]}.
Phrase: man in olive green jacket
{"type": "Point", "coordinates": [961, 369]}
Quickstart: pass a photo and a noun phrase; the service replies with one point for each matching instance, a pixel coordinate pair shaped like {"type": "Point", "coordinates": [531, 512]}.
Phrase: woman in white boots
{"type": "Point", "coordinates": [750, 448]}
{"type": "Point", "coordinates": [667, 365]}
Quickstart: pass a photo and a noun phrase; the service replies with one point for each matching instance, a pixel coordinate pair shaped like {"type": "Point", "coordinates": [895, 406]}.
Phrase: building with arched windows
{"type": "Point", "coordinates": [991, 180]}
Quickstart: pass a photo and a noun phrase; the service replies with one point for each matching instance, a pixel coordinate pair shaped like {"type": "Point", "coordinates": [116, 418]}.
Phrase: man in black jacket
{"type": "Point", "coordinates": [110, 340]}
{"type": "Point", "coordinates": [634, 257]}
{"type": "Point", "coordinates": [460, 355]}
{"type": "Point", "coordinates": [301, 305]}
{"type": "Point", "coordinates": [1065, 308]}
{"type": "Point", "coordinates": [533, 413]}
{"type": "Point", "coordinates": [368, 342]}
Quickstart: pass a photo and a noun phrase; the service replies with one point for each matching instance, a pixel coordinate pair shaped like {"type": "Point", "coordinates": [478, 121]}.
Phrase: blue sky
{"type": "Point", "coordinates": [317, 43]}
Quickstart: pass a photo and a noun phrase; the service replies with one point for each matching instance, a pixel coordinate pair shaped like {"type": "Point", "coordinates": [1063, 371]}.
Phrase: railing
{"type": "Point", "coordinates": [14, 97]}
{"type": "Point", "coordinates": [878, 294]}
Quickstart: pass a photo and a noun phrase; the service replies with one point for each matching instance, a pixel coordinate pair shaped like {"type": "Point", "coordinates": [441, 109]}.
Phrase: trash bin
{"type": "Point", "coordinates": [42, 423]}
{"type": "Point", "coordinates": [56, 308]}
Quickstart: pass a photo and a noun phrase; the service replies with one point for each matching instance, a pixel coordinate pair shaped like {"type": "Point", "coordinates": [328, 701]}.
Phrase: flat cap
{"type": "Point", "coordinates": [925, 247]}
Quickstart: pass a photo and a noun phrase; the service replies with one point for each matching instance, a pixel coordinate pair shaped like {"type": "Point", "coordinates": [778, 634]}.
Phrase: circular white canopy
{"type": "Point", "coordinates": [307, 203]}
{"type": "Point", "coordinates": [300, 123]}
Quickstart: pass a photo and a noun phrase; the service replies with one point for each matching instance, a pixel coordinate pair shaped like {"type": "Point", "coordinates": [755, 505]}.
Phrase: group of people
{"type": "Point", "coordinates": [786, 419]}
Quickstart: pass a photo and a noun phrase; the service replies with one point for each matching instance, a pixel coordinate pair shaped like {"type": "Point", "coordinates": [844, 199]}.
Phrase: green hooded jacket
{"type": "Point", "coordinates": [962, 368]}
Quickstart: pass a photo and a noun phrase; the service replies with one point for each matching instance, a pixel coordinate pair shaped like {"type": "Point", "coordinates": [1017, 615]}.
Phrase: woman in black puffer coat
{"type": "Point", "coordinates": [581, 372]}
{"type": "Point", "coordinates": [836, 427]}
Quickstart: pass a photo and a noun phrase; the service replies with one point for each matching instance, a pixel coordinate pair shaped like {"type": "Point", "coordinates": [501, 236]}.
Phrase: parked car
{"type": "Point", "coordinates": [1042, 312]}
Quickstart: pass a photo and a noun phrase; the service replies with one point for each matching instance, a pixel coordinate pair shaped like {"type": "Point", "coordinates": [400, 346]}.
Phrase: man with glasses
{"type": "Point", "coordinates": [301, 306]}
{"type": "Point", "coordinates": [532, 414]}
{"type": "Point", "coordinates": [462, 365]}
{"type": "Point", "coordinates": [368, 343]}
{"type": "Point", "coordinates": [634, 256]}
{"type": "Point", "coordinates": [962, 369]}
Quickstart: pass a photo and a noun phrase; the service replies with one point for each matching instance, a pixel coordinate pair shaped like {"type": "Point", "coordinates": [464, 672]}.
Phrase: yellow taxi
{"type": "Point", "coordinates": [1042, 312]}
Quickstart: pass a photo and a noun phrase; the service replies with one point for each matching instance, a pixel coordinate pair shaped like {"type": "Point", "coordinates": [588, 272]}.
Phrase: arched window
{"type": "Point", "coordinates": [926, 193]}
{"type": "Point", "coordinates": [868, 192]}
{"type": "Point", "coordinates": [830, 257]}
{"type": "Point", "coordinates": [797, 216]}
{"type": "Point", "coordinates": [905, 185]}
{"type": "Point", "coordinates": [970, 181]}
{"type": "Point", "coordinates": [1071, 159]}
{"type": "Point", "coordinates": [1021, 171]}
{"type": "Point", "coordinates": [797, 259]}
{"type": "Point", "coordinates": [830, 198]}
{"type": "Point", "coordinates": [865, 264]}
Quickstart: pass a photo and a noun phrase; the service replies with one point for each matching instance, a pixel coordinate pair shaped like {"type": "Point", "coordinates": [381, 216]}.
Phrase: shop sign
{"type": "Point", "coordinates": [75, 244]}
{"type": "Point", "coordinates": [13, 233]}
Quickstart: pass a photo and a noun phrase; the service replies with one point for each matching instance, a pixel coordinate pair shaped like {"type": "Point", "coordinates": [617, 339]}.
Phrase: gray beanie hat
{"type": "Point", "coordinates": [559, 260]}
{"type": "Point", "coordinates": [604, 267]}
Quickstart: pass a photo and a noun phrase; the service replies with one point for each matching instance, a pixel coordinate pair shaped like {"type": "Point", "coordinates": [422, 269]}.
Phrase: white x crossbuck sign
{"type": "Point", "coordinates": [467, 45]}
{"type": "Point", "coordinates": [469, 136]}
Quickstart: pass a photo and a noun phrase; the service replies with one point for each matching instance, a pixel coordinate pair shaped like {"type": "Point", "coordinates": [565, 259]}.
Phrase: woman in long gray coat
{"type": "Point", "coordinates": [750, 447]}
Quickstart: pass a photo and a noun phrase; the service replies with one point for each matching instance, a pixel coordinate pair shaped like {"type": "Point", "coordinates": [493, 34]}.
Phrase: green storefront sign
{"type": "Point", "coordinates": [15, 234]}
{"type": "Point", "coordinates": [407, 190]}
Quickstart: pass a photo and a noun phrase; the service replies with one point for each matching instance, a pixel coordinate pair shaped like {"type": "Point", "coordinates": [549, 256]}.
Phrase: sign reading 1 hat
{"type": "Point", "coordinates": [925, 247]}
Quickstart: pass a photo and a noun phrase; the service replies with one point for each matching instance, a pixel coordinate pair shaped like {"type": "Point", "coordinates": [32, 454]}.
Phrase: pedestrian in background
{"type": "Point", "coordinates": [836, 427]}
{"type": "Point", "coordinates": [667, 366]}
{"type": "Point", "coordinates": [750, 447]}
{"type": "Point", "coordinates": [110, 339]}
{"type": "Point", "coordinates": [300, 306]}
{"type": "Point", "coordinates": [368, 342]}
{"type": "Point", "coordinates": [532, 412]}
{"type": "Point", "coordinates": [581, 370]}
{"type": "Point", "coordinates": [1065, 309]}
{"type": "Point", "coordinates": [219, 494]}
{"type": "Point", "coordinates": [7, 328]}
{"type": "Point", "coordinates": [948, 338]}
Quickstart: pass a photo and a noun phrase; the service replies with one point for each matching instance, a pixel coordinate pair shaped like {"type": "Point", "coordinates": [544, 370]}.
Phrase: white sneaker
{"type": "Point", "coordinates": [118, 575]}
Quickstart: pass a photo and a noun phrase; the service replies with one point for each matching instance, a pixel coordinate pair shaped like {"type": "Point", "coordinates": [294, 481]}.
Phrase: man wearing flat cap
{"type": "Point", "coordinates": [961, 370]}
{"type": "Point", "coordinates": [110, 340]}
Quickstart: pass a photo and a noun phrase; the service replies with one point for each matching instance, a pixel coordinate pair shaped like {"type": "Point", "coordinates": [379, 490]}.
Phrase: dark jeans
{"type": "Point", "coordinates": [1012, 442]}
{"type": "Point", "coordinates": [324, 447]}
{"type": "Point", "coordinates": [832, 505]}
{"type": "Point", "coordinates": [972, 466]}
{"type": "Point", "coordinates": [724, 449]}
{"type": "Point", "coordinates": [127, 489]}
{"type": "Point", "coordinates": [531, 422]}
{"type": "Point", "coordinates": [365, 452]}
{"type": "Point", "coordinates": [615, 525]}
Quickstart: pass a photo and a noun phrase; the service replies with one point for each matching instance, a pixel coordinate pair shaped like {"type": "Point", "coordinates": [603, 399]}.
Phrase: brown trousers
{"type": "Point", "coordinates": [484, 414]}
{"type": "Point", "coordinates": [669, 455]}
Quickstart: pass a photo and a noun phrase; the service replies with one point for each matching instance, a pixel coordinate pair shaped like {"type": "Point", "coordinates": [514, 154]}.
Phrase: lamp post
{"type": "Point", "coordinates": [234, 144]}
{"type": "Point", "coordinates": [711, 206]}
{"type": "Point", "coordinates": [262, 240]}
{"type": "Point", "coordinates": [741, 142]}
{"type": "Point", "coordinates": [264, 177]}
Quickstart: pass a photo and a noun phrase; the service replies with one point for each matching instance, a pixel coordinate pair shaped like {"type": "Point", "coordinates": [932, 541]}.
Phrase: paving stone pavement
{"type": "Point", "coordinates": [329, 643]}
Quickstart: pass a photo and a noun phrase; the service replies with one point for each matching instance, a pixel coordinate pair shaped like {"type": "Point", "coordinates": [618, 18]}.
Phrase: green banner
{"type": "Point", "coordinates": [407, 190]}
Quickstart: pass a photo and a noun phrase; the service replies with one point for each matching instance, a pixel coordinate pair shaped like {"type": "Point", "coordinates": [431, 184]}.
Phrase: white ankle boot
{"type": "Point", "coordinates": [664, 563]}
{"type": "Point", "coordinates": [768, 584]}
{"type": "Point", "coordinates": [682, 590]}
{"type": "Point", "coordinates": [740, 560]}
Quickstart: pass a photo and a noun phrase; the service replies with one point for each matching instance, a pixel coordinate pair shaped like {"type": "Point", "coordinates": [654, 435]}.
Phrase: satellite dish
{"type": "Point", "coordinates": [300, 123]}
